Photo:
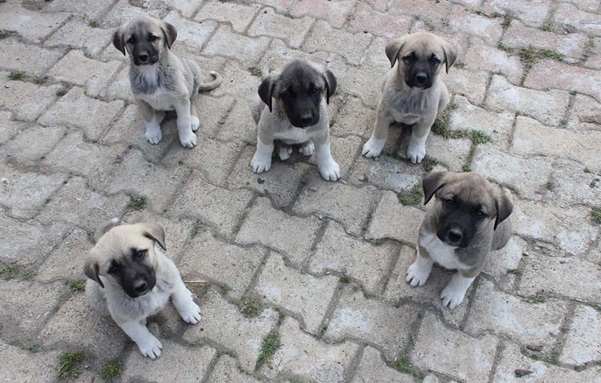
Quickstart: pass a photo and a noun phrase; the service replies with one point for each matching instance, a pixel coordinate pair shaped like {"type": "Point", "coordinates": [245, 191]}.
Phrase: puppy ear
{"type": "Point", "coordinates": [393, 48]}
{"type": "Point", "coordinates": [330, 84]}
{"type": "Point", "coordinates": [504, 207]}
{"type": "Point", "coordinates": [169, 32]}
{"type": "Point", "coordinates": [432, 183]}
{"type": "Point", "coordinates": [155, 232]}
{"type": "Point", "coordinates": [450, 55]}
{"type": "Point", "coordinates": [90, 268]}
{"type": "Point", "coordinates": [106, 227]}
{"type": "Point", "coordinates": [118, 40]}
{"type": "Point", "coordinates": [266, 91]}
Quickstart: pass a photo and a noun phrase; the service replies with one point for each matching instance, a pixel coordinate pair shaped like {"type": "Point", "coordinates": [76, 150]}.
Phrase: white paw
{"type": "Point", "coordinates": [260, 162]}
{"type": "Point", "coordinates": [285, 152]}
{"type": "Point", "coordinates": [153, 133]}
{"type": "Point", "coordinates": [452, 296]}
{"type": "Point", "coordinates": [330, 171]}
{"type": "Point", "coordinates": [416, 152]}
{"type": "Point", "coordinates": [416, 275]}
{"type": "Point", "coordinates": [187, 139]}
{"type": "Point", "coordinates": [373, 147]}
{"type": "Point", "coordinates": [307, 148]}
{"type": "Point", "coordinates": [194, 123]}
{"type": "Point", "coordinates": [190, 313]}
{"type": "Point", "coordinates": [150, 347]}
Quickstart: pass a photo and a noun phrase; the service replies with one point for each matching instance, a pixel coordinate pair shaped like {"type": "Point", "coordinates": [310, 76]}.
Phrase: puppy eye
{"type": "Point", "coordinates": [315, 90]}
{"type": "Point", "coordinates": [450, 202]}
{"type": "Point", "coordinates": [140, 254]}
{"type": "Point", "coordinates": [434, 60]}
{"type": "Point", "coordinates": [480, 214]}
{"type": "Point", "coordinates": [286, 93]}
{"type": "Point", "coordinates": [131, 40]}
{"type": "Point", "coordinates": [114, 268]}
{"type": "Point", "coordinates": [409, 58]}
{"type": "Point", "coordinates": [153, 38]}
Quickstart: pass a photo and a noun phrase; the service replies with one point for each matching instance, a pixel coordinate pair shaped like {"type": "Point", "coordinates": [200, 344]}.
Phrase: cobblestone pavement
{"type": "Point", "coordinates": [306, 277]}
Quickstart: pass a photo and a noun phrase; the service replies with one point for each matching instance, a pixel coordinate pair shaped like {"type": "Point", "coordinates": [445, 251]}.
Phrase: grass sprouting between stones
{"type": "Point", "coordinates": [255, 71]}
{"type": "Point", "coordinates": [540, 297]}
{"type": "Point", "coordinates": [596, 213]}
{"type": "Point", "coordinates": [112, 370]}
{"type": "Point", "coordinates": [16, 75]}
{"type": "Point", "coordinates": [345, 279]}
{"type": "Point", "coordinates": [9, 271]}
{"type": "Point", "coordinates": [270, 345]}
{"type": "Point", "coordinates": [412, 198]}
{"type": "Point", "coordinates": [77, 286]}
{"type": "Point", "coordinates": [69, 362]}
{"type": "Point", "coordinates": [403, 364]}
{"type": "Point", "coordinates": [250, 308]}
{"type": "Point", "coordinates": [136, 202]}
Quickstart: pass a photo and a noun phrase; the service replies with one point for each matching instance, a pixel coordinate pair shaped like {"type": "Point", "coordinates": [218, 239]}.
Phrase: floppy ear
{"type": "Point", "coordinates": [504, 207]}
{"type": "Point", "coordinates": [90, 268]}
{"type": "Point", "coordinates": [169, 32]}
{"type": "Point", "coordinates": [155, 232]}
{"type": "Point", "coordinates": [118, 40]}
{"type": "Point", "coordinates": [330, 84]}
{"type": "Point", "coordinates": [393, 48]}
{"type": "Point", "coordinates": [431, 183]}
{"type": "Point", "coordinates": [106, 227]}
{"type": "Point", "coordinates": [450, 55]}
{"type": "Point", "coordinates": [266, 91]}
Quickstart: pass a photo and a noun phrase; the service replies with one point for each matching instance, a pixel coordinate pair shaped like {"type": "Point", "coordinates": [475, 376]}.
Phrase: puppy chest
{"type": "Point", "coordinates": [154, 302]}
{"type": "Point", "coordinates": [158, 100]}
{"type": "Point", "coordinates": [441, 253]}
{"type": "Point", "coordinates": [294, 136]}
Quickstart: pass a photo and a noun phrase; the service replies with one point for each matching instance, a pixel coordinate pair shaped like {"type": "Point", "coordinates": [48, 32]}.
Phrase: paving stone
{"type": "Point", "coordinates": [303, 355]}
{"type": "Point", "coordinates": [463, 21]}
{"type": "Point", "coordinates": [95, 333]}
{"type": "Point", "coordinates": [78, 110]}
{"type": "Point", "coordinates": [278, 54]}
{"type": "Point", "coordinates": [215, 113]}
{"type": "Point", "coordinates": [66, 262]}
{"type": "Point", "coordinates": [372, 321]}
{"type": "Point", "coordinates": [230, 265]}
{"type": "Point", "coordinates": [26, 192]}
{"type": "Point", "coordinates": [572, 184]}
{"type": "Point", "coordinates": [8, 127]}
{"type": "Point", "coordinates": [237, 81]}
{"type": "Point", "coordinates": [453, 153]}
{"type": "Point", "coordinates": [269, 23]}
{"type": "Point", "coordinates": [501, 264]}
{"type": "Point", "coordinates": [186, 7]}
{"type": "Point", "coordinates": [350, 256]}
{"type": "Point", "coordinates": [33, 26]}
{"type": "Point", "coordinates": [552, 74]}
{"type": "Point", "coordinates": [138, 176]}
{"type": "Point", "coordinates": [511, 360]}
{"type": "Point", "coordinates": [393, 220]}
{"type": "Point", "coordinates": [359, 82]}
{"type": "Point", "coordinates": [239, 15]}
{"type": "Point", "coordinates": [349, 205]}
{"type": "Point", "coordinates": [32, 144]}
{"type": "Point", "coordinates": [244, 336]}
{"type": "Point", "coordinates": [211, 204]}
{"type": "Point", "coordinates": [468, 83]}
{"type": "Point", "coordinates": [26, 100]}
{"type": "Point", "coordinates": [293, 236]}
{"type": "Point", "coordinates": [372, 369]}
{"type": "Point", "coordinates": [227, 43]}
{"type": "Point", "coordinates": [586, 114]}
{"type": "Point", "coordinates": [90, 8]}
{"type": "Point", "coordinates": [30, 59]}
{"type": "Point", "coordinates": [380, 24]}
{"type": "Point", "coordinates": [481, 56]}
{"type": "Point", "coordinates": [78, 34]}
{"type": "Point", "coordinates": [302, 294]}
{"type": "Point", "coordinates": [387, 173]}
{"type": "Point", "coordinates": [353, 118]}
{"type": "Point", "coordinates": [24, 366]}
{"type": "Point", "coordinates": [350, 46]}
{"type": "Point", "coordinates": [578, 146]}
{"type": "Point", "coordinates": [442, 350]}
{"type": "Point", "coordinates": [532, 13]}
{"type": "Point", "coordinates": [593, 50]}
{"type": "Point", "coordinates": [239, 125]}
{"type": "Point", "coordinates": [549, 275]}
{"type": "Point", "coordinates": [226, 370]}
{"type": "Point", "coordinates": [120, 88]}
{"type": "Point", "coordinates": [376, 56]}
{"type": "Point", "coordinates": [335, 12]}
{"type": "Point", "coordinates": [124, 11]}
{"type": "Point", "coordinates": [424, 10]}
{"type": "Point", "coordinates": [173, 365]}
{"type": "Point", "coordinates": [583, 343]}
{"type": "Point", "coordinates": [548, 107]}
{"type": "Point", "coordinates": [194, 34]}
{"type": "Point", "coordinates": [77, 69]}
{"type": "Point", "coordinates": [570, 17]}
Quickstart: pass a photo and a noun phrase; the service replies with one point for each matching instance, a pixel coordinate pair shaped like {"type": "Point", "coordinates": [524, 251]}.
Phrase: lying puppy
{"type": "Point", "coordinates": [131, 279]}
{"type": "Point", "coordinates": [299, 116]}
{"type": "Point", "coordinates": [161, 81]}
{"type": "Point", "coordinates": [467, 221]}
{"type": "Point", "coordinates": [413, 93]}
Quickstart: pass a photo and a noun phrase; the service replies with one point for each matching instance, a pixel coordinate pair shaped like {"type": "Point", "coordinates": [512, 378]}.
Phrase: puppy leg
{"type": "Point", "coordinates": [417, 143]}
{"type": "Point", "coordinates": [148, 344]}
{"type": "Point", "coordinates": [453, 294]}
{"type": "Point", "coordinates": [152, 120]}
{"type": "Point", "coordinates": [261, 161]}
{"type": "Point", "coordinates": [373, 147]}
{"type": "Point", "coordinates": [184, 128]}
{"type": "Point", "coordinates": [184, 304]}
{"type": "Point", "coordinates": [284, 151]}
{"type": "Point", "coordinates": [329, 169]}
{"type": "Point", "coordinates": [194, 120]}
{"type": "Point", "coordinates": [419, 271]}
{"type": "Point", "coordinates": [307, 148]}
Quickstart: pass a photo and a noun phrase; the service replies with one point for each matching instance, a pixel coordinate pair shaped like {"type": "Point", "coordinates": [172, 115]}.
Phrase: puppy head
{"type": "Point", "coordinates": [125, 255]}
{"type": "Point", "coordinates": [145, 39]}
{"type": "Point", "coordinates": [420, 56]}
{"type": "Point", "coordinates": [469, 203]}
{"type": "Point", "coordinates": [298, 90]}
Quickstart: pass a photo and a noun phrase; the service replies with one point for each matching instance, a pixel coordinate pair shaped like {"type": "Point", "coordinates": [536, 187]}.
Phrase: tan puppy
{"type": "Point", "coordinates": [131, 279]}
{"type": "Point", "coordinates": [413, 93]}
{"type": "Point", "coordinates": [161, 81]}
{"type": "Point", "coordinates": [467, 221]}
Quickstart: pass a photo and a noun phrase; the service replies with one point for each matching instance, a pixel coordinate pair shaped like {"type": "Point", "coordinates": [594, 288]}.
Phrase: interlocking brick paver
{"type": "Point", "coordinates": [532, 12]}
{"type": "Point", "coordinates": [468, 83]}
{"type": "Point", "coordinates": [463, 21]}
{"type": "Point", "coordinates": [336, 12]}
{"type": "Point", "coordinates": [59, 264]}
{"type": "Point", "coordinates": [481, 56]}
{"type": "Point", "coordinates": [23, 152]}
{"type": "Point", "coordinates": [372, 369]}
{"type": "Point", "coordinates": [574, 183]}
{"type": "Point", "coordinates": [552, 74]}
{"type": "Point", "coordinates": [33, 60]}
{"type": "Point", "coordinates": [9, 127]}
{"type": "Point", "coordinates": [569, 15]}
{"type": "Point", "coordinates": [226, 371]}
{"type": "Point", "coordinates": [25, 364]}
{"type": "Point", "coordinates": [124, 11]}
{"type": "Point", "coordinates": [246, 49]}
{"type": "Point", "coordinates": [17, 97]}
{"type": "Point", "coordinates": [451, 153]}
{"type": "Point", "coordinates": [89, 8]}
{"type": "Point", "coordinates": [583, 343]}
{"type": "Point", "coordinates": [194, 34]}
{"type": "Point", "coordinates": [365, 19]}
{"type": "Point", "coordinates": [31, 25]}
{"type": "Point", "coordinates": [585, 115]}
{"type": "Point", "coordinates": [269, 23]}
{"type": "Point", "coordinates": [77, 33]}
{"type": "Point", "coordinates": [238, 14]}
{"type": "Point", "coordinates": [348, 45]}
{"type": "Point", "coordinates": [394, 220]}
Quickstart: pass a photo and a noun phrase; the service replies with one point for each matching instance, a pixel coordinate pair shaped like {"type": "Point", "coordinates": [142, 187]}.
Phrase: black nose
{"type": "Point", "coordinates": [143, 58]}
{"type": "Point", "coordinates": [455, 235]}
{"type": "Point", "coordinates": [141, 286]}
{"type": "Point", "coordinates": [306, 118]}
{"type": "Point", "coordinates": [421, 77]}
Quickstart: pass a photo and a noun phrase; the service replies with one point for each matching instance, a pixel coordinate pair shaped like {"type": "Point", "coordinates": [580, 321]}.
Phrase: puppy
{"type": "Point", "coordinates": [131, 279]}
{"type": "Point", "coordinates": [467, 221]}
{"type": "Point", "coordinates": [293, 111]}
{"type": "Point", "coordinates": [412, 93]}
{"type": "Point", "coordinates": [161, 81]}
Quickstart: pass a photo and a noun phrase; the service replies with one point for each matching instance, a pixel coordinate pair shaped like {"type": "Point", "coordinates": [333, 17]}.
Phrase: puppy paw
{"type": "Point", "coordinates": [153, 134]}
{"type": "Point", "coordinates": [452, 296]}
{"type": "Point", "coordinates": [329, 170]}
{"type": "Point", "coordinates": [260, 163]}
{"type": "Point", "coordinates": [373, 147]}
{"type": "Point", "coordinates": [416, 153]}
{"type": "Point", "coordinates": [194, 123]}
{"type": "Point", "coordinates": [307, 148]}
{"type": "Point", "coordinates": [187, 140]}
{"type": "Point", "coordinates": [284, 152]}
{"type": "Point", "coordinates": [416, 275]}
{"type": "Point", "coordinates": [190, 313]}
{"type": "Point", "coordinates": [150, 347]}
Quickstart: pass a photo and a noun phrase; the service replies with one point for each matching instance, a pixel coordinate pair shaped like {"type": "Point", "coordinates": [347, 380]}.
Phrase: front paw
{"type": "Point", "coordinates": [284, 152]}
{"type": "Point", "coordinates": [373, 147]}
{"type": "Point", "coordinates": [416, 275]}
{"type": "Point", "coordinates": [190, 313]}
{"type": "Point", "coordinates": [416, 152]}
{"type": "Point", "coordinates": [260, 163]}
{"type": "Point", "coordinates": [194, 123]}
{"type": "Point", "coordinates": [153, 134]}
{"type": "Point", "coordinates": [150, 347]}
{"type": "Point", "coordinates": [329, 170]}
{"type": "Point", "coordinates": [307, 148]}
{"type": "Point", "coordinates": [187, 139]}
{"type": "Point", "coordinates": [452, 296]}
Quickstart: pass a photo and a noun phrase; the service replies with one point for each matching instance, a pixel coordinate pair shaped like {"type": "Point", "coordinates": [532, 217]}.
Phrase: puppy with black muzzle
{"type": "Point", "coordinates": [412, 93]}
{"type": "Point", "coordinates": [292, 109]}
{"type": "Point", "coordinates": [161, 81]}
{"type": "Point", "coordinates": [467, 221]}
{"type": "Point", "coordinates": [131, 279]}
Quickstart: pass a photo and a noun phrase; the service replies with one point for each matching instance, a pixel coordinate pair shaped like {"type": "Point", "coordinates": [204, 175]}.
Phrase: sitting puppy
{"type": "Point", "coordinates": [299, 116]}
{"type": "Point", "coordinates": [467, 221]}
{"type": "Point", "coordinates": [131, 279]}
{"type": "Point", "coordinates": [412, 93]}
{"type": "Point", "coordinates": [161, 81]}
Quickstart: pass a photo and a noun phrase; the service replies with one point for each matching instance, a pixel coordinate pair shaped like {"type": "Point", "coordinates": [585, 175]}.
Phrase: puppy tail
{"type": "Point", "coordinates": [212, 84]}
{"type": "Point", "coordinates": [106, 227]}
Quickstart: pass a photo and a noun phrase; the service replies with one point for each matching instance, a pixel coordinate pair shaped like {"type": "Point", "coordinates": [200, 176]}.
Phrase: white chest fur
{"type": "Point", "coordinates": [441, 253]}
{"type": "Point", "coordinates": [159, 100]}
{"type": "Point", "coordinates": [294, 135]}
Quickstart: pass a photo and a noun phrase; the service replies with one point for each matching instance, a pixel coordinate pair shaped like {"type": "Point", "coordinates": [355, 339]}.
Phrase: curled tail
{"type": "Point", "coordinates": [106, 227]}
{"type": "Point", "coordinates": [212, 84]}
